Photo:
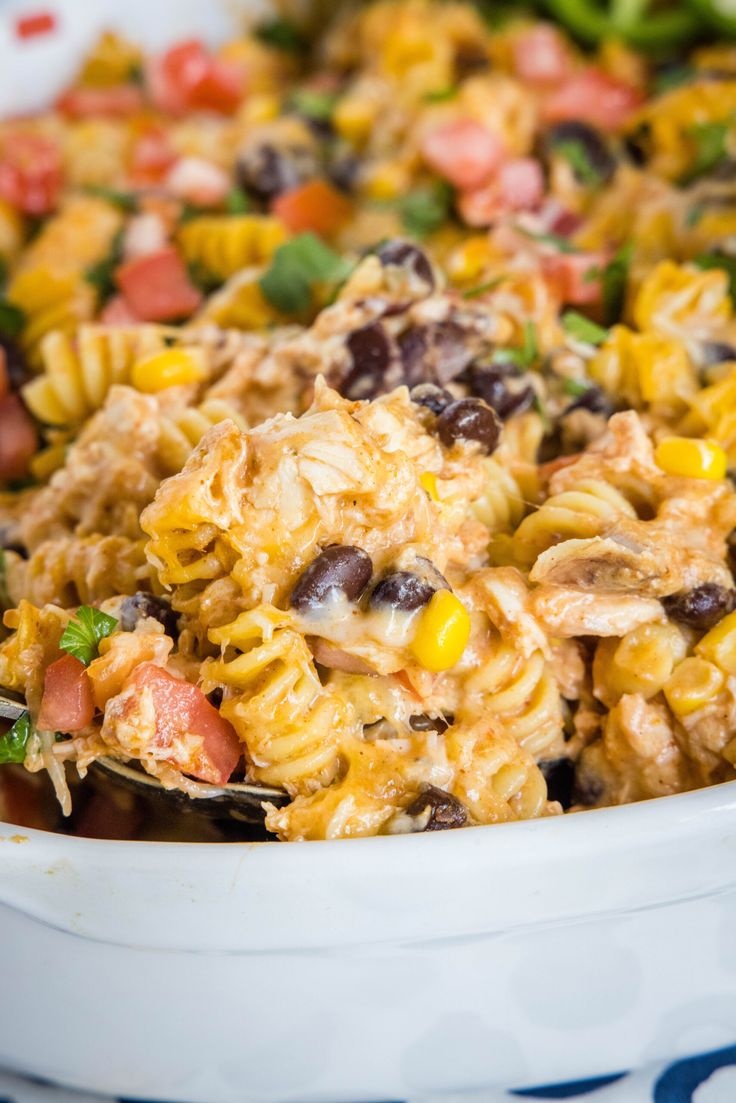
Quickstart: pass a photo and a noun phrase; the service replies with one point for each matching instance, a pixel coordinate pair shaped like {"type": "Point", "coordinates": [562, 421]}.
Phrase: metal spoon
{"type": "Point", "coordinates": [236, 800]}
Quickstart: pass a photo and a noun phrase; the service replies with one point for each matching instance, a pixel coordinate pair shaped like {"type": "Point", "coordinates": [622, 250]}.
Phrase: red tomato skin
{"type": "Point", "coordinates": [157, 288]}
{"type": "Point", "coordinates": [568, 274]}
{"type": "Point", "coordinates": [315, 206]}
{"type": "Point", "coordinates": [541, 55]}
{"type": "Point", "coordinates": [463, 152]}
{"type": "Point", "coordinates": [18, 438]}
{"type": "Point", "coordinates": [594, 97]}
{"type": "Point", "coordinates": [30, 173]}
{"type": "Point", "coordinates": [118, 101]}
{"type": "Point", "coordinates": [518, 186]}
{"type": "Point", "coordinates": [151, 157]}
{"type": "Point", "coordinates": [116, 312]}
{"type": "Point", "coordinates": [187, 77]}
{"type": "Point", "coordinates": [67, 704]}
{"type": "Point", "coordinates": [182, 708]}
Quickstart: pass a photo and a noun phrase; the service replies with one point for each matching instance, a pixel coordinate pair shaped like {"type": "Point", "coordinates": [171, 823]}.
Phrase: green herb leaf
{"type": "Point", "coordinates": [12, 319]}
{"type": "Point", "coordinates": [579, 160]}
{"type": "Point", "coordinates": [126, 201]}
{"type": "Point", "coordinates": [237, 201]}
{"type": "Point", "coordinates": [14, 743]}
{"type": "Point", "coordinates": [102, 274]}
{"type": "Point", "coordinates": [694, 215]}
{"type": "Point", "coordinates": [296, 267]}
{"type": "Point", "coordinates": [282, 34]}
{"type": "Point", "coordinates": [709, 140]}
{"type": "Point", "coordinates": [614, 279]}
{"type": "Point", "coordinates": [575, 388]}
{"type": "Point", "coordinates": [82, 635]}
{"type": "Point", "coordinates": [424, 210]}
{"type": "Point", "coordinates": [725, 262]}
{"type": "Point", "coordinates": [441, 95]}
{"type": "Point", "coordinates": [561, 244]}
{"type": "Point", "coordinates": [524, 357]}
{"type": "Point", "coordinates": [489, 285]}
{"type": "Point", "coordinates": [313, 105]}
{"type": "Point", "coordinates": [674, 78]}
{"type": "Point", "coordinates": [202, 278]}
{"type": "Point", "coordinates": [582, 329]}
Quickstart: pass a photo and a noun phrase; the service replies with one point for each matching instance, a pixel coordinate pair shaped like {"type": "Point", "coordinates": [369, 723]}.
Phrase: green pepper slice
{"type": "Point", "coordinates": [636, 22]}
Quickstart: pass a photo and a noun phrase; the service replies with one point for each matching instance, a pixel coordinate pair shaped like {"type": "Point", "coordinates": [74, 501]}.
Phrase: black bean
{"type": "Point", "coordinates": [716, 352]}
{"type": "Point", "coordinates": [594, 400]}
{"type": "Point", "coordinates": [343, 171]}
{"type": "Point", "coordinates": [371, 352]}
{"type": "Point", "coordinates": [638, 145]}
{"type": "Point", "coordinates": [423, 723]}
{"type": "Point", "coordinates": [404, 254]}
{"type": "Point", "coordinates": [559, 773]}
{"type": "Point", "coordinates": [430, 395]}
{"type": "Point", "coordinates": [593, 144]}
{"type": "Point", "coordinates": [491, 384]}
{"type": "Point", "coordinates": [588, 789]}
{"type": "Point", "coordinates": [402, 590]}
{"type": "Point", "coordinates": [267, 170]}
{"type": "Point", "coordinates": [339, 569]}
{"type": "Point", "coordinates": [215, 697]}
{"type": "Point", "coordinates": [701, 607]}
{"type": "Point", "coordinates": [435, 353]}
{"type": "Point", "coordinates": [441, 810]}
{"type": "Point", "coordinates": [143, 604]}
{"type": "Point", "coordinates": [16, 364]}
{"type": "Point", "coordinates": [470, 419]}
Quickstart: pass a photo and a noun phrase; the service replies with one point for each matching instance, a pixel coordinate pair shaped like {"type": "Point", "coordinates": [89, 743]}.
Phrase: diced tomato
{"type": "Point", "coordinates": [198, 181]}
{"type": "Point", "coordinates": [183, 710]}
{"type": "Point", "coordinates": [18, 438]}
{"type": "Point", "coordinates": [151, 157]}
{"type": "Point", "coordinates": [117, 101]}
{"type": "Point", "coordinates": [67, 704]}
{"type": "Point", "coordinates": [519, 186]}
{"type": "Point", "coordinates": [541, 55]}
{"type": "Point", "coordinates": [594, 97]}
{"type": "Point", "coordinates": [157, 287]}
{"type": "Point", "coordinates": [575, 276]}
{"type": "Point", "coordinates": [30, 173]}
{"type": "Point", "coordinates": [35, 24]}
{"type": "Point", "coordinates": [315, 206]}
{"type": "Point", "coordinates": [463, 152]}
{"type": "Point", "coordinates": [188, 77]}
{"type": "Point", "coordinates": [116, 312]}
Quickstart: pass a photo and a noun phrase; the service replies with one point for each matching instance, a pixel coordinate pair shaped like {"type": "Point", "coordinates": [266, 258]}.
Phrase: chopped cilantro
{"type": "Point", "coordinates": [237, 202]}
{"type": "Point", "coordinates": [673, 77]}
{"type": "Point", "coordinates": [582, 329]}
{"type": "Point", "coordinates": [709, 140]}
{"type": "Point", "coordinates": [296, 267]}
{"type": "Point", "coordinates": [561, 244]}
{"type": "Point", "coordinates": [575, 388]}
{"type": "Point", "coordinates": [489, 285]}
{"type": "Point", "coordinates": [614, 278]}
{"type": "Point", "coordinates": [12, 319]}
{"type": "Point", "coordinates": [578, 158]}
{"type": "Point", "coordinates": [441, 95]}
{"type": "Point", "coordinates": [14, 743]}
{"type": "Point", "coordinates": [82, 635]}
{"type": "Point", "coordinates": [694, 215]}
{"type": "Point", "coordinates": [723, 261]}
{"type": "Point", "coordinates": [202, 278]}
{"type": "Point", "coordinates": [424, 210]}
{"type": "Point", "coordinates": [282, 34]}
{"type": "Point", "coordinates": [313, 105]}
{"type": "Point", "coordinates": [102, 274]}
{"type": "Point", "coordinates": [125, 200]}
{"type": "Point", "coordinates": [524, 357]}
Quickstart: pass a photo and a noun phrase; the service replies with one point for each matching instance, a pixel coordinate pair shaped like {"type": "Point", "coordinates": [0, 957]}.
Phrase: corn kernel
{"type": "Point", "coordinates": [719, 645]}
{"type": "Point", "coordinates": [387, 180]}
{"type": "Point", "coordinates": [696, 459]}
{"type": "Point", "coordinates": [428, 482]}
{"type": "Point", "coordinates": [353, 118]}
{"type": "Point", "coordinates": [443, 632]}
{"type": "Point", "coordinates": [260, 108]}
{"type": "Point", "coordinates": [468, 260]}
{"type": "Point", "coordinates": [693, 684]}
{"type": "Point", "coordinates": [170, 368]}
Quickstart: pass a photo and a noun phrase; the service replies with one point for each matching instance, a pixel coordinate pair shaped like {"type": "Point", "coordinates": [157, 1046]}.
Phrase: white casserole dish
{"type": "Point", "coordinates": [372, 969]}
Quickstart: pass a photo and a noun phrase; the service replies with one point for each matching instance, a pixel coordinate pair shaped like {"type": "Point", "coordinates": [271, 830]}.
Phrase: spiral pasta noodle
{"type": "Point", "coordinates": [223, 245]}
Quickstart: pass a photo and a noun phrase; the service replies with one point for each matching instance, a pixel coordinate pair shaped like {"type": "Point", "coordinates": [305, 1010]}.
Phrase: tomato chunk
{"type": "Point", "coordinates": [575, 276]}
{"type": "Point", "coordinates": [594, 97]}
{"type": "Point", "coordinates": [463, 152]}
{"type": "Point", "coordinates": [183, 710]}
{"type": "Point", "coordinates": [188, 77]}
{"type": "Point", "coordinates": [541, 55]}
{"type": "Point", "coordinates": [18, 438]}
{"type": "Point", "coordinates": [67, 704]}
{"type": "Point", "coordinates": [117, 101]}
{"type": "Point", "coordinates": [157, 288]}
{"type": "Point", "coordinates": [30, 173]}
{"type": "Point", "coordinates": [518, 186]}
{"type": "Point", "coordinates": [116, 312]}
{"type": "Point", "coordinates": [152, 156]}
{"type": "Point", "coordinates": [315, 206]}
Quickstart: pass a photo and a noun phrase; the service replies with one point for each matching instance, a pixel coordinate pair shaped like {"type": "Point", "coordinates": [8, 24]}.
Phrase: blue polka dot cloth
{"type": "Point", "coordinates": [706, 1078]}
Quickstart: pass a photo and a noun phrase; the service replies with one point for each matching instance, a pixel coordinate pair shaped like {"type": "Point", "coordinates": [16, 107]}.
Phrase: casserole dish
{"type": "Point", "coordinates": [383, 969]}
